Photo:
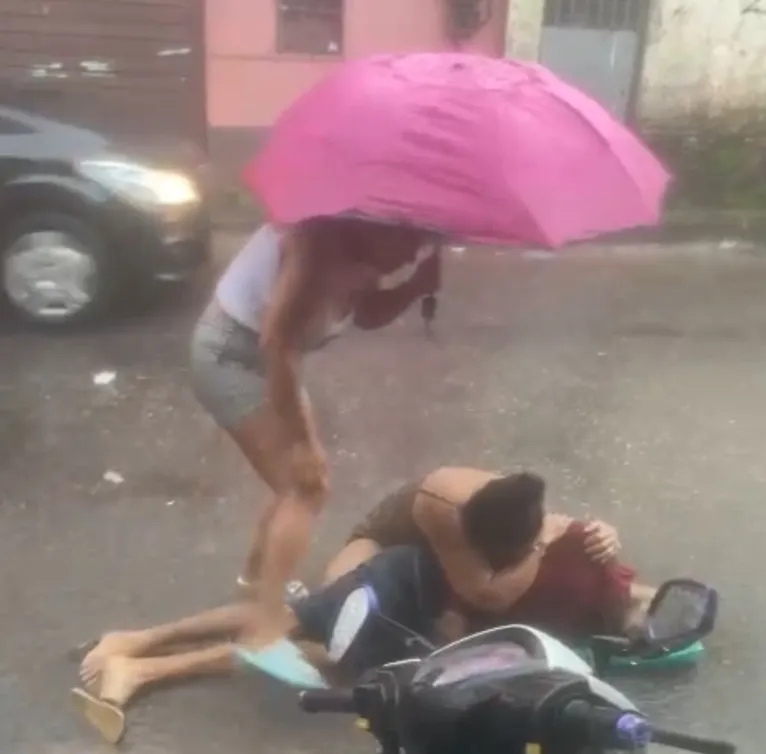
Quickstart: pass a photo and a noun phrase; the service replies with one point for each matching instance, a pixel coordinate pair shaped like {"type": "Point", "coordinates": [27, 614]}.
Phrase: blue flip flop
{"type": "Point", "coordinates": [284, 661]}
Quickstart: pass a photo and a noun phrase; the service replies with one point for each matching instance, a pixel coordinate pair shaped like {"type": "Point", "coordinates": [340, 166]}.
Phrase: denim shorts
{"type": "Point", "coordinates": [227, 366]}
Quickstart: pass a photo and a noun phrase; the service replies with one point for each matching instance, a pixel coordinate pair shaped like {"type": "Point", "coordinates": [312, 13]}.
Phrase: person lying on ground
{"type": "Point", "coordinates": [412, 589]}
{"type": "Point", "coordinates": [407, 580]}
{"type": "Point", "coordinates": [110, 665]}
{"type": "Point", "coordinates": [501, 516]}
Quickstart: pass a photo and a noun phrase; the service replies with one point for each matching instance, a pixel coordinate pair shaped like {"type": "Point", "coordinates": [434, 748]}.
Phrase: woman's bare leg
{"type": "Point", "coordinates": [248, 578]}
{"type": "Point", "coordinates": [227, 621]}
{"type": "Point", "coordinates": [355, 553]}
{"type": "Point", "coordinates": [252, 436]}
{"type": "Point", "coordinates": [123, 677]}
{"type": "Point", "coordinates": [283, 533]}
{"type": "Point", "coordinates": [287, 542]}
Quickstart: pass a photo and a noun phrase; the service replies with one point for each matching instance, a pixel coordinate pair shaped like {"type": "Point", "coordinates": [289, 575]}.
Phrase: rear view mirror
{"type": "Point", "coordinates": [351, 619]}
{"type": "Point", "coordinates": [682, 612]}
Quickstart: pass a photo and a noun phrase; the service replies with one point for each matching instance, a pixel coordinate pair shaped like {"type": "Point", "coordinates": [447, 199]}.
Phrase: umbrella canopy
{"type": "Point", "coordinates": [475, 147]}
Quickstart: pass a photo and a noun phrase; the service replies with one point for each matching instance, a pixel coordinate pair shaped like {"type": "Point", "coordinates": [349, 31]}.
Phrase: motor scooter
{"type": "Point", "coordinates": [681, 614]}
{"type": "Point", "coordinates": [511, 689]}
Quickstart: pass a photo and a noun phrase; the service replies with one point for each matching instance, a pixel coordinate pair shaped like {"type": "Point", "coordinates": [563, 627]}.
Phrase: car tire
{"type": "Point", "coordinates": [68, 258]}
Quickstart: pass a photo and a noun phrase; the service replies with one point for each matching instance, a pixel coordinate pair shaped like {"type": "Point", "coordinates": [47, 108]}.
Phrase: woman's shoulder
{"type": "Point", "coordinates": [455, 484]}
{"type": "Point", "coordinates": [268, 233]}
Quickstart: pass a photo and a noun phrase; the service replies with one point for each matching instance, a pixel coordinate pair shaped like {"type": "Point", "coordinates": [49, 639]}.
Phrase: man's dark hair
{"type": "Point", "coordinates": [503, 519]}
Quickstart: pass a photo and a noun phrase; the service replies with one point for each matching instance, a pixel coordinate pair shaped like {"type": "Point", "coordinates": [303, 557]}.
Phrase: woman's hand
{"type": "Point", "coordinates": [602, 542]}
{"type": "Point", "coordinates": [306, 469]}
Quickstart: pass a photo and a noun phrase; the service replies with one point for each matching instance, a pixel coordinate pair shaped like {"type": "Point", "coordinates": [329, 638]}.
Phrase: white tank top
{"type": "Point", "coordinates": [245, 288]}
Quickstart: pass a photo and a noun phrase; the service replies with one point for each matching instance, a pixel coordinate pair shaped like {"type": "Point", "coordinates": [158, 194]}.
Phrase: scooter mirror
{"type": "Point", "coordinates": [682, 612]}
{"type": "Point", "coordinates": [351, 619]}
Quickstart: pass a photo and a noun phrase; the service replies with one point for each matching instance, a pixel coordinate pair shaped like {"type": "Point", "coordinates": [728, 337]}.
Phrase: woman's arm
{"type": "Point", "coordinates": [293, 302]}
{"type": "Point", "coordinates": [469, 575]}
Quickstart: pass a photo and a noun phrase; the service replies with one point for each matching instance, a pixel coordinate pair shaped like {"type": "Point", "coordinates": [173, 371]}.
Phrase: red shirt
{"type": "Point", "coordinates": [572, 596]}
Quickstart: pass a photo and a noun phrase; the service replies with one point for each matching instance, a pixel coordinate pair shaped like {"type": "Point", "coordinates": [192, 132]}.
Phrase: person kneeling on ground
{"type": "Point", "coordinates": [460, 515]}
{"type": "Point", "coordinates": [505, 523]}
{"type": "Point", "coordinates": [570, 583]}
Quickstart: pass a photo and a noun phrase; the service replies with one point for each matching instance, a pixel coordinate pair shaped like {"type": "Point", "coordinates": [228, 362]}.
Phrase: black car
{"type": "Point", "coordinates": [83, 221]}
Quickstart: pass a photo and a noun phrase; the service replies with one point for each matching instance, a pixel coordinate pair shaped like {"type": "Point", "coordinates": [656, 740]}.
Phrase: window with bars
{"type": "Point", "coordinates": [310, 27]}
{"type": "Point", "coordinates": [614, 15]}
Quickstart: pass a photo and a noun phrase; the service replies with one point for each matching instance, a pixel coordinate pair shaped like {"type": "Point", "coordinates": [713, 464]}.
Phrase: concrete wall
{"type": "Point", "coordinates": [702, 94]}
{"type": "Point", "coordinates": [524, 26]}
{"type": "Point", "coordinates": [704, 57]}
{"type": "Point", "coordinates": [249, 84]}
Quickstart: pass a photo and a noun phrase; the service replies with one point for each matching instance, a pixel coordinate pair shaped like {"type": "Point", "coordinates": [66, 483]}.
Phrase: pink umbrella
{"type": "Point", "coordinates": [489, 150]}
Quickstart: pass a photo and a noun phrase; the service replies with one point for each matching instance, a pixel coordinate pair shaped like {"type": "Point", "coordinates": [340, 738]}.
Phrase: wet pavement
{"type": "Point", "coordinates": [633, 379]}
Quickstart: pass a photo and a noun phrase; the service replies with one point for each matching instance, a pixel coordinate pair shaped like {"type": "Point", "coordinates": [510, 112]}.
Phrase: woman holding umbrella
{"type": "Point", "coordinates": [489, 150]}
{"type": "Point", "coordinates": [287, 292]}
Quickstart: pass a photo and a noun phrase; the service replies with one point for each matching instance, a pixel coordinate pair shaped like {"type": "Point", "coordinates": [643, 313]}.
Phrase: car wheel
{"type": "Point", "coordinates": [53, 270]}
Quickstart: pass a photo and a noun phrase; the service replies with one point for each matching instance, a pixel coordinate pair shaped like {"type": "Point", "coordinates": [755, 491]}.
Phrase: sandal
{"type": "Point", "coordinates": [106, 717]}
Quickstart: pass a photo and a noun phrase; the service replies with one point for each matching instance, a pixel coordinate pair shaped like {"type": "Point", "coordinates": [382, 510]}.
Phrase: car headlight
{"type": "Point", "coordinates": [141, 183]}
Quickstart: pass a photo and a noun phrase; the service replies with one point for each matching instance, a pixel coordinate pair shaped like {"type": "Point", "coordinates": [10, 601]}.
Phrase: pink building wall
{"type": "Point", "coordinates": [249, 84]}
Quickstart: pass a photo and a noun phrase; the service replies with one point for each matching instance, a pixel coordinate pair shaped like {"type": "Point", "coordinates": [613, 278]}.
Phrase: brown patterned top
{"type": "Point", "coordinates": [391, 522]}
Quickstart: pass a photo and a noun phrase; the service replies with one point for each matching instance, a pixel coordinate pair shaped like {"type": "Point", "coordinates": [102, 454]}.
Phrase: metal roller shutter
{"type": "Point", "coordinates": [121, 65]}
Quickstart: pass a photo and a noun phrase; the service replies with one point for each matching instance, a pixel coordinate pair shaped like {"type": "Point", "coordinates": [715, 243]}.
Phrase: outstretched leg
{"type": "Point", "coordinates": [123, 677]}
{"type": "Point", "coordinates": [228, 621]}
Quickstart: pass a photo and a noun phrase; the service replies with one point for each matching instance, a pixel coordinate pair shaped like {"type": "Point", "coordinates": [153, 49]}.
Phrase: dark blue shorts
{"type": "Point", "coordinates": [410, 586]}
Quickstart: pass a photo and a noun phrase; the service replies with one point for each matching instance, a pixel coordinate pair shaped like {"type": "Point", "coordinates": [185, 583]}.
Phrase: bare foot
{"type": "Point", "coordinates": [115, 643]}
{"type": "Point", "coordinates": [121, 678]}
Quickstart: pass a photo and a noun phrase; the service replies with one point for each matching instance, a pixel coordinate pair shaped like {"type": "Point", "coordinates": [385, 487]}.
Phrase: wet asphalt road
{"type": "Point", "coordinates": [634, 380]}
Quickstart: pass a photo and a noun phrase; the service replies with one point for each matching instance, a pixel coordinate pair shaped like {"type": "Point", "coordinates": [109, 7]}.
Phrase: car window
{"type": "Point", "coordinates": [11, 127]}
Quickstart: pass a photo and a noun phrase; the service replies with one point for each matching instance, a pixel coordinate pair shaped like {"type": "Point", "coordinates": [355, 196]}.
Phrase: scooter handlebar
{"type": "Point", "coordinates": [626, 731]}
{"type": "Point", "coordinates": [605, 727]}
{"type": "Point", "coordinates": [582, 720]}
{"type": "Point", "coordinates": [692, 743]}
{"type": "Point", "coordinates": [328, 700]}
